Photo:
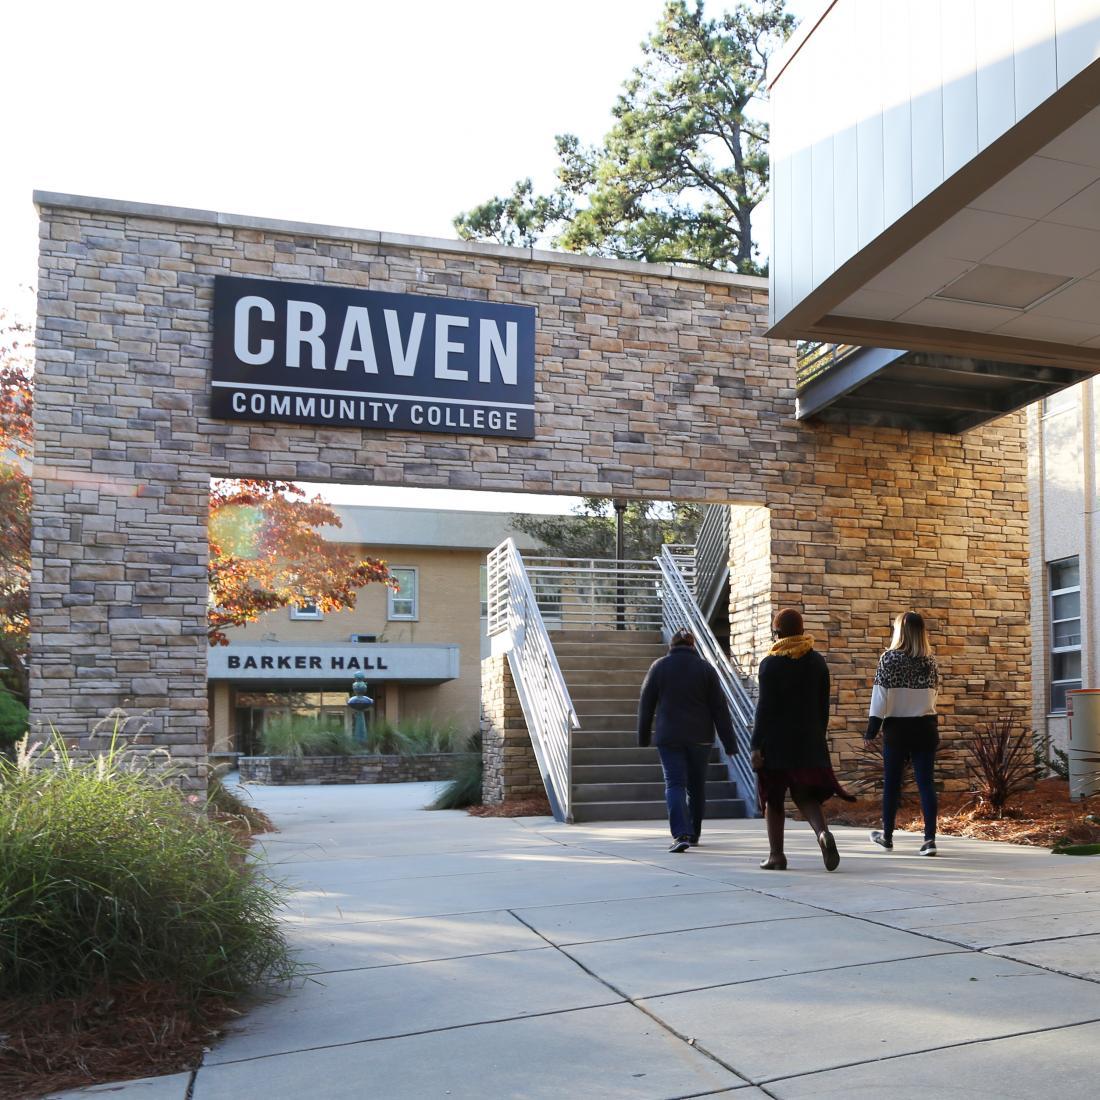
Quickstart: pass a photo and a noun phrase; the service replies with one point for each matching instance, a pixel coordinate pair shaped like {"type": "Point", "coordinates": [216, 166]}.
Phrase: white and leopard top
{"type": "Point", "coordinates": [905, 687]}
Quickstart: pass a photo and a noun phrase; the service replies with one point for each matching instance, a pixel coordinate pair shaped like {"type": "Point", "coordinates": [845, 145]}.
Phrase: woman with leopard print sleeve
{"type": "Point", "coordinates": [903, 706]}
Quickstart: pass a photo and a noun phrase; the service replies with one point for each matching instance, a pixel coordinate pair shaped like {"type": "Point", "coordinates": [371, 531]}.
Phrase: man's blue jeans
{"type": "Point", "coordinates": [685, 769]}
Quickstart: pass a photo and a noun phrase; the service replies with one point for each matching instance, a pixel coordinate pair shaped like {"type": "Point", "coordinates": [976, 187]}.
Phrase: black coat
{"type": "Point", "coordinates": [685, 695]}
{"type": "Point", "coordinates": [792, 711]}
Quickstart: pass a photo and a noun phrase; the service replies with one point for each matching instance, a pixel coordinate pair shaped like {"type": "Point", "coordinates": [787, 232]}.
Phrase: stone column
{"type": "Point", "coordinates": [511, 770]}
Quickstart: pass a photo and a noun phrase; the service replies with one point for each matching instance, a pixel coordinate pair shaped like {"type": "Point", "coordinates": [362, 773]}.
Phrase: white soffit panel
{"type": "Point", "coordinates": [1078, 302]}
{"type": "Point", "coordinates": [1055, 249]}
{"type": "Point", "coordinates": [1002, 286]}
{"type": "Point", "coordinates": [1034, 326]}
{"type": "Point", "coordinates": [973, 234]}
{"type": "Point", "coordinates": [1080, 144]}
{"type": "Point", "coordinates": [961, 315]}
{"type": "Point", "coordinates": [1036, 188]}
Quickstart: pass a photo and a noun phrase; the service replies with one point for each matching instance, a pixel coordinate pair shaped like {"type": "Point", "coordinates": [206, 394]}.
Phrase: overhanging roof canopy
{"type": "Point", "coordinates": [936, 188]}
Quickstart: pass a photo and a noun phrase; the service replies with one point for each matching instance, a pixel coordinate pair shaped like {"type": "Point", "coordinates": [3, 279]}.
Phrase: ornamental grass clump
{"type": "Point", "coordinates": [1003, 762]}
{"type": "Point", "coordinates": [301, 736]}
{"type": "Point", "coordinates": [111, 875]}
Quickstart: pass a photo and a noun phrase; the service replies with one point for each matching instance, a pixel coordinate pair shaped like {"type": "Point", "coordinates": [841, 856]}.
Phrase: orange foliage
{"type": "Point", "coordinates": [16, 382]}
{"type": "Point", "coordinates": [266, 553]}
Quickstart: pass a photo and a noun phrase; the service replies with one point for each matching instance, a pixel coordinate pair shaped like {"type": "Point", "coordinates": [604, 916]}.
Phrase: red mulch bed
{"type": "Point", "coordinates": [1041, 817]}
{"type": "Point", "coordinates": [137, 1030]}
{"type": "Point", "coordinates": [141, 1029]}
{"type": "Point", "coordinates": [518, 807]}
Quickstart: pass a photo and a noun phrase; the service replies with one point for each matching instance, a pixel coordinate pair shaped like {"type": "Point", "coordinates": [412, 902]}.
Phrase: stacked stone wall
{"type": "Point", "coordinates": [511, 770]}
{"type": "Point", "coordinates": [317, 770]}
{"type": "Point", "coordinates": [650, 383]}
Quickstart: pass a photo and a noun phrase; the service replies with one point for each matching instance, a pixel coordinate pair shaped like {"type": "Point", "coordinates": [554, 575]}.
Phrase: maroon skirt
{"type": "Point", "coordinates": [818, 784]}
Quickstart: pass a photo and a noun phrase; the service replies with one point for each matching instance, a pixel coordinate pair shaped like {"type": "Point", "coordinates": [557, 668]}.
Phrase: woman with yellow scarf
{"type": "Point", "coordinates": [789, 749]}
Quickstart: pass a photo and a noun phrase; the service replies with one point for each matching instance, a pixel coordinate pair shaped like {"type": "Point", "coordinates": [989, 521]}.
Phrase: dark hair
{"type": "Point", "coordinates": [682, 637]}
{"type": "Point", "coordinates": [787, 622]}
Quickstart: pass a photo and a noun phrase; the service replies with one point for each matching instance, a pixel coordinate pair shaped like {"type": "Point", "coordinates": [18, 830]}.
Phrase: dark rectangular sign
{"type": "Point", "coordinates": [307, 354]}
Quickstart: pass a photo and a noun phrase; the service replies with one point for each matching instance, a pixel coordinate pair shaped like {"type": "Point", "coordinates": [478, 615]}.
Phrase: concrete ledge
{"type": "Point", "coordinates": [123, 208]}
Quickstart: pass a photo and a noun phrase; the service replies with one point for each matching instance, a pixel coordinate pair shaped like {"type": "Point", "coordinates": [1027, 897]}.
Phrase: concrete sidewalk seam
{"type": "Point", "coordinates": [699, 928]}
{"type": "Point", "coordinates": [421, 962]}
{"type": "Point", "coordinates": [640, 1007]}
{"type": "Point", "coordinates": [929, 1050]}
{"type": "Point", "coordinates": [410, 1034]}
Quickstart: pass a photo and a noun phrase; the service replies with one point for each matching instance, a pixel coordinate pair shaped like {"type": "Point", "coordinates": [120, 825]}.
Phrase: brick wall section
{"type": "Point", "coordinates": [650, 383]}
{"type": "Point", "coordinates": [511, 770]}
{"type": "Point", "coordinates": [318, 770]}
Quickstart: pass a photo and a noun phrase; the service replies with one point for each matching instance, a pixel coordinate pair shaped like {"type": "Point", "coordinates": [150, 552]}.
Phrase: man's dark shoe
{"type": "Point", "coordinates": [680, 844]}
{"type": "Point", "coordinates": [693, 841]}
{"type": "Point", "coordinates": [828, 851]}
{"type": "Point", "coordinates": [928, 848]}
{"type": "Point", "coordinates": [882, 840]}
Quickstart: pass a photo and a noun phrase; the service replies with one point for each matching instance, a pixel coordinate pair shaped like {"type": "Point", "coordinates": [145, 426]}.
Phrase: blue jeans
{"type": "Point", "coordinates": [685, 769]}
{"type": "Point", "coordinates": [894, 758]}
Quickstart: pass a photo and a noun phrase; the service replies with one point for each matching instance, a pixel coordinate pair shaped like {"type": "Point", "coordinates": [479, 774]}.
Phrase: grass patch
{"type": "Point", "coordinates": [111, 875]}
{"type": "Point", "coordinates": [414, 736]}
{"type": "Point", "coordinates": [296, 736]}
{"type": "Point", "coordinates": [464, 788]}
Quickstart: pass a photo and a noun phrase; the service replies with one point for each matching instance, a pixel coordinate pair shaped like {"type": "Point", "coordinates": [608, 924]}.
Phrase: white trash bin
{"type": "Point", "coordinates": [1084, 742]}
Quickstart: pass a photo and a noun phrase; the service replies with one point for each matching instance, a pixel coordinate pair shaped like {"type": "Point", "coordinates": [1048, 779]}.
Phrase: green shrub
{"type": "Point", "coordinates": [464, 788]}
{"type": "Point", "coordinates": [412, 736]}
{"type": "Point", "coordinates": [110, 874]}
{"type": "Point", "coordinates": [293, 735]}
{"type": "Point", "coordinates": [13, 719]}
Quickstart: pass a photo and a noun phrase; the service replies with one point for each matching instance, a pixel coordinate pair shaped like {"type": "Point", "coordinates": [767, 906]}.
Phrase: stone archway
{"type": "Point", "coordinates": [651, 382]}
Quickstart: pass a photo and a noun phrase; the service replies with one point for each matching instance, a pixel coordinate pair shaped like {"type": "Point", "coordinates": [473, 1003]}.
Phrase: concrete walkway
{"type": "Point", "coordinates": [468, 958]}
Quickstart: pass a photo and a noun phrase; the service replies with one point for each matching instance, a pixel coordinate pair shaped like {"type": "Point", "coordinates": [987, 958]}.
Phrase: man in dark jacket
{"type": "Point", "coordinates": [684, 693]}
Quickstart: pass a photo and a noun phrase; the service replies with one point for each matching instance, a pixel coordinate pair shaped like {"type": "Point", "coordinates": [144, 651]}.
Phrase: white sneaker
{"type": "Point", "coordinates": [928, 848]}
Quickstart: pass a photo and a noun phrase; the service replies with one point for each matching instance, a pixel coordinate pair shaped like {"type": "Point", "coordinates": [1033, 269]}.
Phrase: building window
{"type": "Point", "coordinates": [307, 609]}
{"type": "Point", "coordinates": [1060, 402]}
{"type": "Point", "coordinates": [404, 602]}
{"type": "Point", "coordinates": [484, 589]}
{"type": "Point", "coordinates": [1065, 630]}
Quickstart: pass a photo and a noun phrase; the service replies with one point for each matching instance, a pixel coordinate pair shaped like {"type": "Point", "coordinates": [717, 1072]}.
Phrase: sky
{"type": "Point", "coordinates": [374, 114]}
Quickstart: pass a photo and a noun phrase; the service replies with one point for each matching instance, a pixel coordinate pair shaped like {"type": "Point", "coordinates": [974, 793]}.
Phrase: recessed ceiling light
{"type": "Point", "coordinates": [990, 285]}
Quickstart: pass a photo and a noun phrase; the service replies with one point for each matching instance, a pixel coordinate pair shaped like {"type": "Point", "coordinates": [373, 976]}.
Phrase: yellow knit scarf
{"type": "Point", "coordinates": [798, 645]}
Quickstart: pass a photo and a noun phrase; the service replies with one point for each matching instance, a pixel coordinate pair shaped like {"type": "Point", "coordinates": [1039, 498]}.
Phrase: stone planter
{"type": "Point", "coordinates": [315, 770]}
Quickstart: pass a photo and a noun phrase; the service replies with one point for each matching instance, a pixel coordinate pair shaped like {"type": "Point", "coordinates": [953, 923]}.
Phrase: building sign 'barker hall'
{"type": "Point", "coordinates": [309, 354]}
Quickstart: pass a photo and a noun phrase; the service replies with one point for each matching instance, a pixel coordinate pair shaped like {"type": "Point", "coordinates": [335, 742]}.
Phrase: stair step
{"type": "Point", "coordinates": [642, 650]}
{"type": "Point", "coordinates": [636, 773]}
{"type": "Point", "coordinates": [591, 676]}
{"type": "Point", "coordinates": [581, 661]}
{"type": "Point", "coordinates": [594, 722]}
{"type": "Point", "coordinates": [650, 811]}
{"type": "Point", "coordinates": [596, 692]}
{"type": "Point", "coordinates": [640, 792]}
{"type": "Point", "coordinates": [617, 755]}
{"type": "Point", "coordinates": [606, 739]}
{"type": "Point", "coordinates": [591, 637]}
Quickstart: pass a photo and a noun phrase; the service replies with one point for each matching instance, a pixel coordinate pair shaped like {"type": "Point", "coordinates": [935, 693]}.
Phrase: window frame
{"type": "Point", "coordinates": [391, 596]}
{"type": "Point", "coordinates": [1062, 686]}
{"type": "Point", "coordinates": [299, 613]}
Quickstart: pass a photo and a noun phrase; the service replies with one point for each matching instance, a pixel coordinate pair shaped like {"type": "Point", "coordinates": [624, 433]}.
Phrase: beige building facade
{"type": "Point", "coordinates": [1065, 541]}
{"type": "Point", "coordinates": [419, 648]}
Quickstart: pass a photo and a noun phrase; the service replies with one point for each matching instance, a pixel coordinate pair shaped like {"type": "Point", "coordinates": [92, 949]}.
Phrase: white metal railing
{"type": "Point", "coordinates": [681, 611]}
{"type": "Point", "coordinates": [517, 627]}
{"type": "Point", "coordinates": [712, 555]}
{"type": "Point", "coordinates": [595, 593]}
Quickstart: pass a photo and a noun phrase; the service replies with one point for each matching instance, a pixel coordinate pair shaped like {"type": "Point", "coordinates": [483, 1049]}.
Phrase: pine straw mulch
{"type": "Point", "coordinates": [140, 1029]}
{"type": "Point", "coordinates": [1042, 816]}
{"type": "Point", "coordinates": [517, 807]}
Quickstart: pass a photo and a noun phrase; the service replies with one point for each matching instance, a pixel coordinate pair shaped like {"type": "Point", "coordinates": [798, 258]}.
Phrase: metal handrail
{"type": "Point", "coordinates": [517, 626]}
{"type": "Point", "coordinates": [815, 358]}
{"type": "Point", "coordinates": [712, 555]}
{"type": "Point", "coordinates": [681, 611]}
{"type": "Point", "coordinates": [596, 593]}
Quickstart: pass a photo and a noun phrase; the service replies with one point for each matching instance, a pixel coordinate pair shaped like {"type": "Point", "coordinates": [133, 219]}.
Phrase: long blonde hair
{"type": "Point", "coordinates": [910, 636]}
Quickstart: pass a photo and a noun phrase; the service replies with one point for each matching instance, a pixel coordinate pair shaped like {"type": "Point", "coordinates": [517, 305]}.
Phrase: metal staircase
{"type": "Point", "coordinates": [580, 636]}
